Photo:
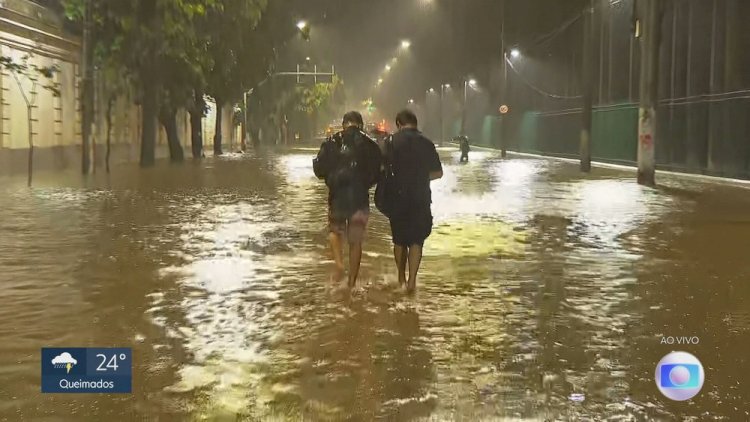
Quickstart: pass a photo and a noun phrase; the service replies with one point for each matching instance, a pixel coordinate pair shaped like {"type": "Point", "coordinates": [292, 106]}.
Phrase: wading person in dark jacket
{"type": "Point", "coordinates": [415, 164]}
{"type": "Point", "coordinates": [349, 161]}
{"type": "Point", "coordinates": [465, 148]}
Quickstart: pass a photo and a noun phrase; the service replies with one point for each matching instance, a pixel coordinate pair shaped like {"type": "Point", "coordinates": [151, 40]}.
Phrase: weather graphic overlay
{"type": "Point", "coordinates": [679, 376]}
{"type": "Point", "coordinates": [64, 360]}
{"type": "Point", "coordinates": [87, 370]}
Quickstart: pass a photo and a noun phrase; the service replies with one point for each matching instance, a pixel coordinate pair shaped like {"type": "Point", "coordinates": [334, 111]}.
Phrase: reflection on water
{"type": "Point", "coordinates": [544, 294]}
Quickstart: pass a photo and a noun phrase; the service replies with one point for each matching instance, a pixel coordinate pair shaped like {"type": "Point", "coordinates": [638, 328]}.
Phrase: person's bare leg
{"type": "Point", "coordinates": [355, 257]}
{"type": "Point", "coordinates": [415, 259]}
{"type": "Point", "coordinates": [399, 254]}
{"type": "Point", "coordinates": [335, 239]}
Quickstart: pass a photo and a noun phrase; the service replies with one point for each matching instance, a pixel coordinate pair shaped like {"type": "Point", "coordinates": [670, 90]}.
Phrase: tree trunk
{"type": "Point", "coordinates": [168, 119]}
{"type": "Point", "coordinates": [31, 144]}
{"type": "Point", "coordinates": [149, 113]}
{"type": "Point", "coordinates": [110, 103]}
{"type": "Point", "coordinates": [217, 130]}
{"type": "Point", "coordinates": [87, 89]}
{"type": "Point", "coordinates": [196, 125]}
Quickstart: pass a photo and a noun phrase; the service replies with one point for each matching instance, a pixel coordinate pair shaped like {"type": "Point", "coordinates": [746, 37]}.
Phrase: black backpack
{"type": "Point", "coordinates": [325, 161]}
{"type": "Point", "coordinates": [387, 194]}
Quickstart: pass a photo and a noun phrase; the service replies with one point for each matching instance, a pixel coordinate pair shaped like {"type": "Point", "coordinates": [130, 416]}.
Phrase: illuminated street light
{"type": "Point", "coordinates": [307, 58]}
{"type": "Point", "coordinates": [472, 82]}
{"type": "Point", "coordinates": [394, 60]}
{"type": "Point", "coordinates": [301, 25]}
{"type": "Point", "coordinates": [431, 90]}
{"type": "Point", "coordinates": [405, 44]}
{"type": "Point", "coordinates": [387, 67]}
{"type": "Point", "coordinates": [380, 81]}
{"type": "Point", "coordinates": [515, 53]}
{"type": "Point", "coordinates": [447, 86]}
{"type": "Point", "coordinates": [411, 101]}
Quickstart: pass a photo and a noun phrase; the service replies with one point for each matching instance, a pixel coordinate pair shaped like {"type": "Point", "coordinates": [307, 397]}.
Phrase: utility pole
{"type": "Point", "coordinates": [442, 115]}
{"type": "Point", "coordinates": [503, 118]}
{"type": "Point", "coordinates": [463, 114]}
{"type": "Point", "coordinates": [587, 86]}
{"type": "Point", "coordinates": [87, 90]}
{"type": "Point", "coordinates": [648, 31]}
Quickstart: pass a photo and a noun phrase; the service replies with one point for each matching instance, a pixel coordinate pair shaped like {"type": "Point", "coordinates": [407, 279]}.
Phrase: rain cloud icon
{"type": "Point", "coordinates": [64, 360]}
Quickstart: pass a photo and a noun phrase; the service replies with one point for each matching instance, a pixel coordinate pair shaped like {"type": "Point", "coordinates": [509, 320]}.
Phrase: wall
{"type": "Point", "coordinates": [29, 29]}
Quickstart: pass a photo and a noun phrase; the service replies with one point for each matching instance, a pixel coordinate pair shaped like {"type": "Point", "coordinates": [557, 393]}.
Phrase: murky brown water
{"type": "Point", "coordinates": [538, 284]}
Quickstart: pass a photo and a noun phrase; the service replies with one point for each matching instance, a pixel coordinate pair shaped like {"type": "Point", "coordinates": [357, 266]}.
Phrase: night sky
{"type": "Point", "coordinates": [451, 40]}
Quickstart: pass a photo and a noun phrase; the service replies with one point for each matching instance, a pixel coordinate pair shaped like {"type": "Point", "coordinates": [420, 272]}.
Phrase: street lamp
{"type": "Point", "coordinates": [387, 67]}
{"type": "Point", "coordinates": [467, 83]}
{"type": "Point", "coordinates": [405, 44]}
{"type": "Point", "coordinates": [307, 58]}
{"type": "Point", "coordinates": [515, 53]}
{"type": "Point", "coordinates": [443, 87]}
{"type": "Point", "coordinates": [380, 81]}
{"type": "Point", "coordinates": [301, 25]}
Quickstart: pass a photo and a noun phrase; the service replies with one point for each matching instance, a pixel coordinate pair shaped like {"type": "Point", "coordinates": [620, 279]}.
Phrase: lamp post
{"type": "Point", "coordinates": [443, 87]}
{"type": "Point", "coordinates": [467, 83]}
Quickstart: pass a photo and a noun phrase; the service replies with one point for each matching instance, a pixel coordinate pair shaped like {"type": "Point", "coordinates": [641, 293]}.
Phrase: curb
{"type": "Point", "coordinates": [741, 183]}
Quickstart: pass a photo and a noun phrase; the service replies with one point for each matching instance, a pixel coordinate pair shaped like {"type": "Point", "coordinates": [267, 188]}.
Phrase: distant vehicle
{"type": "Point", "coordinates": [377, 130]}
{"type": "Point", "coordinates": [334, 128]}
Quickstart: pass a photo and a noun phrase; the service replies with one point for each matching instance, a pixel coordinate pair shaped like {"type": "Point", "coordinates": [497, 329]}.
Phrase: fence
{"type": "Point", "coordinates": [704, 89]}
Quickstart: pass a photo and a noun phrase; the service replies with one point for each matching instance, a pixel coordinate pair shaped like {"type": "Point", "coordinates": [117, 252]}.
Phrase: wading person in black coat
{"type": "Point", "coordinates": [415, 164]}
{"type": "Point", "coordinates": [349, 161]}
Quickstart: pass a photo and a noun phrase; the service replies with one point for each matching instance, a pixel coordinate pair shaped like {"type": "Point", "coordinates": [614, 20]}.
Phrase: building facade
{"type": "Point", "coordinates": [34, 34]}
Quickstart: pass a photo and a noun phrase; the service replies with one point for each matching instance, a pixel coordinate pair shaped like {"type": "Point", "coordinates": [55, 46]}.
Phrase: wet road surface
{"type": "Point", "coordinates": [544, 295]}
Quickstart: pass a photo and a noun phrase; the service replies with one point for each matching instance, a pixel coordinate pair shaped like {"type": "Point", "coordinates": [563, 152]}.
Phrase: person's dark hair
{"type": "Point", "coordinates": [353, 117]}
{"type": "Point", "coordinates": [406, 118]}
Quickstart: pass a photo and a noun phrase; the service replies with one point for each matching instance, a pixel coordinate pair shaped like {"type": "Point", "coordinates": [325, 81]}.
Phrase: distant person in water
{"type": "Point", "coordinates": [465, 148]}
{"type": "Point", "coordinates": [349, 161]}
{"type": "Point", "coordinates": [415, 164]}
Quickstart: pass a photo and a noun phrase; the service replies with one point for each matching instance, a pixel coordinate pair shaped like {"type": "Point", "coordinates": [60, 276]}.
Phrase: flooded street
{"type": "Point", "coordinates": [544, 295]}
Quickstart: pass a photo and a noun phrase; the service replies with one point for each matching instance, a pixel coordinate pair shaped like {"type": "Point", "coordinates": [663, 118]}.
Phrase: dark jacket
{"type": "Point", "coordinates": [349, 161]}
{"type": "Point", "coordinates": [414, 158]}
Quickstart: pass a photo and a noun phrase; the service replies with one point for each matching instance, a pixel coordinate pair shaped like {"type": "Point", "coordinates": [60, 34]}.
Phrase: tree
{"type": "Point", "coordinates": [238, 60]}
{"type": "Point", "coordinates": [322, 100]}
{"type": "Point", "coordinates": [155, 44]}
{"type": "Point", "coordinates": [28, 76]}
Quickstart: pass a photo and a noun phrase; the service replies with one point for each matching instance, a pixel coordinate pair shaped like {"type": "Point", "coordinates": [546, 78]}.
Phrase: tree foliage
{"type": "Point", "coordinates": [321, 97]}
{"type": "Point", "coordinates": [171, 52]}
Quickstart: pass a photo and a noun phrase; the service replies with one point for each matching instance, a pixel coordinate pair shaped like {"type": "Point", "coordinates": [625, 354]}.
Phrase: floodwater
{"type": "Point", "coordinates": [544, 295]}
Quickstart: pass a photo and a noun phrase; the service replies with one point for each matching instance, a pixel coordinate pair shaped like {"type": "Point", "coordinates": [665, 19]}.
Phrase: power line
{"type": "Point", "coordinates": [537, 89]}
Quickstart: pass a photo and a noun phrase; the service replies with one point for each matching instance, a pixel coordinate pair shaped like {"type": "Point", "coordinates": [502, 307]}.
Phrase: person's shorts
{"type": "Point", "coordinates": [411, 225]}
{"type": "Point", "coordinates": [353, 226]}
